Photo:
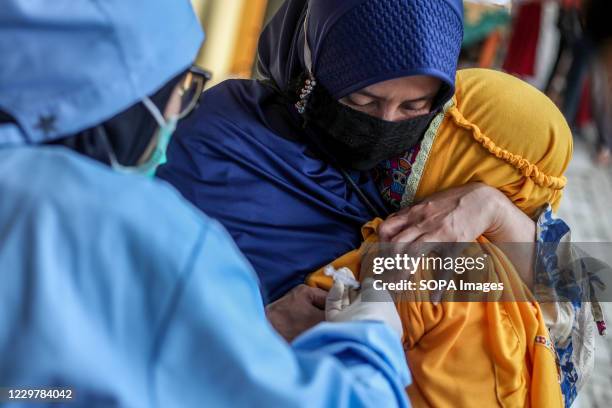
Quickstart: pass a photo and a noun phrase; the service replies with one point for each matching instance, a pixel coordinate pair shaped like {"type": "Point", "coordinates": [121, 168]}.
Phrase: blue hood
{"type": "Point", "coordinates": [68, 65]}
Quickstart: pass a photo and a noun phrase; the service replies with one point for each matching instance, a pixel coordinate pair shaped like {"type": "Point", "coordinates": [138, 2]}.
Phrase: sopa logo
{"type": "Point", "coordinates": [437, 285]}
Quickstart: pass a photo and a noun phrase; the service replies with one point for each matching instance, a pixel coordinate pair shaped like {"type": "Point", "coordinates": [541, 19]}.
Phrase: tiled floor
{"type": "Point", "coordinates": [589, 192]}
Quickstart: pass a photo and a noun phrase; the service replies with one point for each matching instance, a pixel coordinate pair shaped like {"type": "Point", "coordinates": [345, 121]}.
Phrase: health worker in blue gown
{"type": "Point", "coordinates": [112, 284]}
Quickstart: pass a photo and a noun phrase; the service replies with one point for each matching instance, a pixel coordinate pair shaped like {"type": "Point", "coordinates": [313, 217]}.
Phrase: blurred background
{"type": "Point", "coordinates": [562, 47]}
{"type": "Point", "coordinates": [232, 31]}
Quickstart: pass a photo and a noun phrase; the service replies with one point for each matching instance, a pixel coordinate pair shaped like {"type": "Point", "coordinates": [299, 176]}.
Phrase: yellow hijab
{"type": "Point", "coordinates": [500, 131]}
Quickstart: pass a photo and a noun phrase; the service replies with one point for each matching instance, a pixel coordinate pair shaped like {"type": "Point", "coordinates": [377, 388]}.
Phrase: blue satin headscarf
{"type": "Point", "coordinates": [357, 43]}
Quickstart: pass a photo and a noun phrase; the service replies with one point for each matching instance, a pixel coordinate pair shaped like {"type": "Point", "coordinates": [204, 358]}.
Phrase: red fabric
{"type": "Point", "coordinates": [583, 116]}
{"type": "Point", "coordinates": [522, 50]}
{"type": "Point", "coordinates": [571, 3]}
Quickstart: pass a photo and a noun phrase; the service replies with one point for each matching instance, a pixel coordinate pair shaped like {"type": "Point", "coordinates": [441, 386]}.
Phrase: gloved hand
{"type": "Point", "coordinates": [378, 305]}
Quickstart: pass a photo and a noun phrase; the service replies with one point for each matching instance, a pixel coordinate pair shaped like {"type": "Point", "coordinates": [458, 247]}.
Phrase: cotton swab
{"type": "Point", "coordinates": [342, 276]}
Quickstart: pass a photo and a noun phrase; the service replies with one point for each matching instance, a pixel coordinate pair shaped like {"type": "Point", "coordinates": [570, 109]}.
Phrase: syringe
{"type": "Point", "coordinates": [343, 275]}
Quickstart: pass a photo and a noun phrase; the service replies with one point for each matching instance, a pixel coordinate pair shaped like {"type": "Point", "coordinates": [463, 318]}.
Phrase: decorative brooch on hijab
{"type": "Point", "coordinates": [305, 93]}
{"type": "Point", "coordinates": [310, 81]}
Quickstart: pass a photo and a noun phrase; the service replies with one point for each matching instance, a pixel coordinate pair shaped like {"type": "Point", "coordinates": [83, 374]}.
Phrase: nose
{"type": "Point", "coordinates": [390, 113]}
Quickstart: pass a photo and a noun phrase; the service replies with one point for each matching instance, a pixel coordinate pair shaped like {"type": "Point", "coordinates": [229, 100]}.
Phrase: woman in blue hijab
{"type": "Point", "coordinates": [282, 196]}
{"type": "Point", "coordinates": [284, 163]}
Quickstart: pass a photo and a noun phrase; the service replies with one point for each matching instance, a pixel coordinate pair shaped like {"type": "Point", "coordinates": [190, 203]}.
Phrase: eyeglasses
{"type": "Point", "coordinates": [184, 100]}
{"type": "Point", "coordinates": [190, 90]}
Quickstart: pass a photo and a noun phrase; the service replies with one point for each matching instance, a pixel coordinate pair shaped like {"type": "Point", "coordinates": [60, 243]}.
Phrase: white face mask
{"type": "Point", "coordinates": [162, 137]}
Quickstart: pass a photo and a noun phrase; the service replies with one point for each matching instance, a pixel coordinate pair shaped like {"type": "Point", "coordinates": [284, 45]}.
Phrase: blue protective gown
{"type": "Point", "coordinates": [114, 286]}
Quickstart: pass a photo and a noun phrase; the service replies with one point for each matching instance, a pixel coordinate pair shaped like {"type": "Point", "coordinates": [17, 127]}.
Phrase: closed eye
{"type": "Point", "coordinates": [361, 103]}
{"type": "Point", "coordinates": [416, 105]}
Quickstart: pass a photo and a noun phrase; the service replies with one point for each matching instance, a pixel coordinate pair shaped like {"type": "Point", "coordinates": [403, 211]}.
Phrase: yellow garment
{"type": "Point", "coordinates": [496, 120]}
{"type": "Point", "coordinates": [502, 132]}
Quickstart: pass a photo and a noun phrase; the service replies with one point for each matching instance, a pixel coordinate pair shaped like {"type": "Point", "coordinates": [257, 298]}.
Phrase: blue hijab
{"type": "Point", "coordinates": [245, 159]}
{"type": "Point", "coordinates": [357, 43]}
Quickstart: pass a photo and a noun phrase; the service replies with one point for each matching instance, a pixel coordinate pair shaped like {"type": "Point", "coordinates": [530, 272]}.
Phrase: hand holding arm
{"type": "Point", "coordinates": [463, 214]}
{"type": "Point", "coordinates": [297, 311]}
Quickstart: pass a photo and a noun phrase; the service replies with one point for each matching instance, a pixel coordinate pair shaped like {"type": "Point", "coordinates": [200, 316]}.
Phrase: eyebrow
{"type": "Point", "coordinates": [422, 98]}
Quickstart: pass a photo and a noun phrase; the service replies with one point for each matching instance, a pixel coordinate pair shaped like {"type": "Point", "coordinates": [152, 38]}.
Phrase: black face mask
{"type": "Point", "coordinates": [358, 140]}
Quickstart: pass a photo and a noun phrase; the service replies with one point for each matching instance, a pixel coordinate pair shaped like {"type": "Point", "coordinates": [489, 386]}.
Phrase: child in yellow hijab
{"type": "Point", "coordinates": [502, 132]}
